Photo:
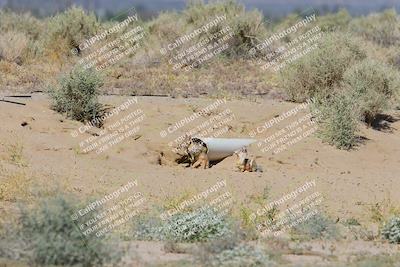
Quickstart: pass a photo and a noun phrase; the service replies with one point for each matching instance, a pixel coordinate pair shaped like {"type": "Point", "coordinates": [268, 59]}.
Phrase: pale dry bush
{"type": "Point", "coordinates": [382, 28]}
{"type": "Point", "coordinates": [13, 46]}
{"type": "Point", "coordinates": [14, 185]}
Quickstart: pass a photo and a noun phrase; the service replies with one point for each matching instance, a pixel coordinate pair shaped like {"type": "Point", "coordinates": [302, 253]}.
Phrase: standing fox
{"type": "Point", "coordinates": [246, 162]}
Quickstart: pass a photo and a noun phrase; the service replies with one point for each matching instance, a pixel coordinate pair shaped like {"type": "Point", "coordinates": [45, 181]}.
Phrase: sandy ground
{"type": "Point", "coordinates": [350, 182]}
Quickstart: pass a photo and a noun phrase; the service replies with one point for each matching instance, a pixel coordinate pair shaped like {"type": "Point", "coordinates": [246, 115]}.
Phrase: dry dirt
{"type": "Point", "coordinates": [349, 181]}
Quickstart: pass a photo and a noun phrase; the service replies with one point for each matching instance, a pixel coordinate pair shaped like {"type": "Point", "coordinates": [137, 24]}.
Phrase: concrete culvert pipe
{"type": "Point", "coordinates": [220, 148]}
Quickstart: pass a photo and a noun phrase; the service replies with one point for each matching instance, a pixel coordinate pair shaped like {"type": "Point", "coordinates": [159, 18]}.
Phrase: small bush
{"type": "Point", "coordinates": [77, 95]}
{"type": "Point", "coordinates": [185, 227]}
{"type": "Point", "coordinates": [338, 120]}
{"type": "Point", "coordinates": [382, 28]}
{"type": "Point", "coordinates": [391, 230]}
{"type": "Point", "coordinates": [322, 69]}
{"type": "Point", "coordinates": [47, 235]}
{"type": "Point", "coordinates": [318, 226]}
{"type": "Point", "coordinates": [238, 255]}
{"type": "Point", "coordinates": [372, 86]}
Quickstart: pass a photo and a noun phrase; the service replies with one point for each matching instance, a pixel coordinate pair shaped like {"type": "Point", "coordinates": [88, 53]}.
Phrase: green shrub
{"type": "Point", "coordinates": [319, 226]}
{"type": "Point", "coordinates": [247, 27]}
{"type": "Point", "coordinates": [338, 120]}
{"type": "Point", "coordinates": [391, 230]}
{"type": "Point", "coordinates": [70, 28]}
{"type": "Point", "coordinates": [239, 255]}
{"type": "Point", "coordinates": [197, 226]}
{"type": "Point", "coordinates": [322, 69]}
{"type": "Point", "coordinates": [382, 28]}
{"type": "Point", "coordinates": [47, 235]}
{"type": "Point", "coordinates": [77, 95]}
{"type": "Point", "coordinates": [373, 86]}
{"type": "Point", "coordinates": [184, 227]}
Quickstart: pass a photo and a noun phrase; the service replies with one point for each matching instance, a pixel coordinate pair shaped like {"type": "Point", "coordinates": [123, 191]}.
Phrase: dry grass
{"type": "Point", "coordinates": [15, 186]}
{"type": "Point", "coordinates": [13, 46]}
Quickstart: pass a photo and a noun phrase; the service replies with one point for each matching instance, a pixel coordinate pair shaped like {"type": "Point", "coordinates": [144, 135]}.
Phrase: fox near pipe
{"type": "Point", "coordinates": [220, 148]}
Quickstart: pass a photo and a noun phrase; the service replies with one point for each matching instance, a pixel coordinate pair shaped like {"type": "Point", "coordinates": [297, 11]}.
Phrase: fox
{"type": "Point", "coordinates": [246, 162]}
{"type": "Point", "coordinates": [196, 151]}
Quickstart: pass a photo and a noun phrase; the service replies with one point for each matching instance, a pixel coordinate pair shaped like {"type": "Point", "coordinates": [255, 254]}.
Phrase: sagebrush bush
{"type": "Point", "coordinates": [382, 28]}
{"type": "Point", "coordinates": [13, 47]}
{"type": "Point", "coordinates": [69, 29]}
{"type": "Point", "coordinates": [391, 230]}
{"type": "Point", "coordinates": [319, 226]}
{"type": "Point", "coordinates": [337, 120]}
{"type": "Point", "coordinates": [247, 26]}
{"type": "Point", "coordinates": [46, 235]}
{"type": "Point", "coordinates": [197, 226]}
{"type": "Point", "coordinates": [322, 69]}
{"type": "Point", "coordinates": [334, 22]}
{"type": "Point", "coordinates": [238, 255]}
{"type": "Point", "coordinates": [184, 227]}
{"type": "Point", "coordinates": [77, 95]}
{"type": "Point", "coordinates": [373, 87]}
{"type": "Point", "coordinates": [22, 23]}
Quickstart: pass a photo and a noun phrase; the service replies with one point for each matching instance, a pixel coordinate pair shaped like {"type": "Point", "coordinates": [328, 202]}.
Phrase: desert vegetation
{"type": "Point", "coordinates": [352, 81]}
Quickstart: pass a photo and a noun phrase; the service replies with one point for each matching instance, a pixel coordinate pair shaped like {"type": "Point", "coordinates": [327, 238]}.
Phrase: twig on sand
{"type": "Point", "coordinates": [14, 96]}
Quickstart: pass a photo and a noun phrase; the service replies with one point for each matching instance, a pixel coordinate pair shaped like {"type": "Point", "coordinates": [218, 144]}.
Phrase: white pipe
{"type": "Point", "coordinates": [220, 148]}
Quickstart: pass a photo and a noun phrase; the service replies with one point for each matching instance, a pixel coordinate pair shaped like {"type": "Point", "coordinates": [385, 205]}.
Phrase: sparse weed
{"type": "Point", "coordinates": [16, 154]}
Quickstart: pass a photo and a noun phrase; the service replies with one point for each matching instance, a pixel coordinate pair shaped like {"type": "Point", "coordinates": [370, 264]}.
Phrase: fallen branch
{"type": "Point", "coordinates": [12, 102]}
